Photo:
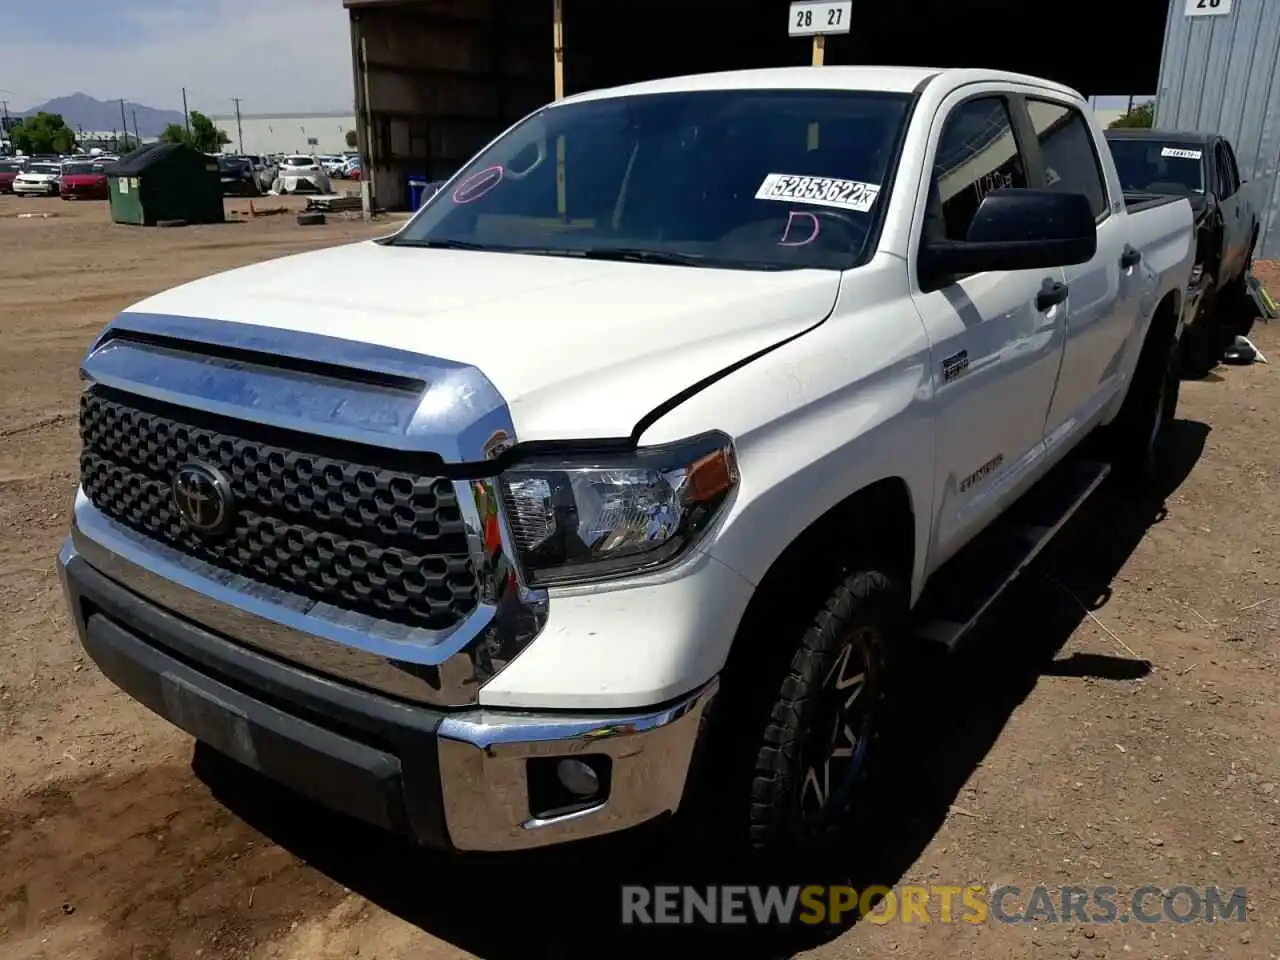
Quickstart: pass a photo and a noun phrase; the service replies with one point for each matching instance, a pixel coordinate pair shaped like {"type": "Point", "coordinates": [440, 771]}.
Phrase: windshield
{"type": "Point", "coordinates": [1156, 166]}
{"type": "Point", "coordinates": [77, 168]}
{"type": "Point", "coordinates": [299, 162]}
{"type": "Point", "coordinates": [233, 164]}
{"type": "Point", "coordinates": [7, 167]}
{"type": "Point", "coordinates": [46, 168]}
{"type": "Point", "coordinates": [755, 179]}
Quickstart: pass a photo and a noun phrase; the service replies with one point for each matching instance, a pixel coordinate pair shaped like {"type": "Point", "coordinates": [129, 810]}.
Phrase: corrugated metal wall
{"type": "Point", "coordinates": [1218, 74]}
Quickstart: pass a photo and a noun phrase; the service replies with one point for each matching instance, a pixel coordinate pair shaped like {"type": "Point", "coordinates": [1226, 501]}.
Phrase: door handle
{"type": "Point", "coordinates": [1052, 293]}
{"type": "Point", "coordinates": [1130, 257]}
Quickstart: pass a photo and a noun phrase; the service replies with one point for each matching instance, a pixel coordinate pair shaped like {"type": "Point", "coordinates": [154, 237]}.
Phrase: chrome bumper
{"type": "Point", "coordinates": [483, 757]}
{"type": "Point", "coordinates": [484, 760]}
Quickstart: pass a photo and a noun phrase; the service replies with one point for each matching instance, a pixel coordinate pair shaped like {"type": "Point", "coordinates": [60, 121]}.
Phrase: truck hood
{"type": "Point", "coordinates": [579, 349]}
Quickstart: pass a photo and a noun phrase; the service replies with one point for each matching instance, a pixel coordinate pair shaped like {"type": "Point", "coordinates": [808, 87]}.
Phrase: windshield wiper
{"type": "Point", "coordinates": [629, 254]}
{"type": "Point", "coordinates": [443, 244]}
{"type": "Point", "coordinates": [447, 244]}
{"type": "Point", "coordinates": [642, 255]}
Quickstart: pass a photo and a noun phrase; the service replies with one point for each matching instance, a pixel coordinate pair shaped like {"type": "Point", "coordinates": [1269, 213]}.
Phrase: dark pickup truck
{"type": "Point", "coordinates": [1201, 167]}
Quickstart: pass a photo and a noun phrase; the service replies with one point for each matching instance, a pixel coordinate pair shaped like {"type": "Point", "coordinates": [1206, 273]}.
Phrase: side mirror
{"type": "Point", "coordinates": [1019, 229]}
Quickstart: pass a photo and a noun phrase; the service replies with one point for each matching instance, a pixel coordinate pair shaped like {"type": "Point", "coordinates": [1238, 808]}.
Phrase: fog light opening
{"type": "Point", "coordinates": [562, 785]}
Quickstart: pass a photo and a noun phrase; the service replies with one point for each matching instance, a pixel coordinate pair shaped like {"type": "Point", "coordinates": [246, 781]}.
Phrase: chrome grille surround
{"type": "Point", "coordinates": [415, 416]}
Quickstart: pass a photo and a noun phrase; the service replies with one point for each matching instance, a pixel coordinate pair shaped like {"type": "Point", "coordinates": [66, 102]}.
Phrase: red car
{"type": "Point", "coordinates": [83, 181]}
{"type": "Point", "coordinates": [10, 167]}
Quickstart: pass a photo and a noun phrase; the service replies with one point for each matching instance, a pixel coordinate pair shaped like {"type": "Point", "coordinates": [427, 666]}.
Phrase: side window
{"type": "Point", "coordinates": [1231, 163]}
{"type": "Point", "coordinates": [1227, 183]}
{"type": "Point", "coordinates": [1070, 160]}
{"type": "Point", "coordinates": [977, 153]}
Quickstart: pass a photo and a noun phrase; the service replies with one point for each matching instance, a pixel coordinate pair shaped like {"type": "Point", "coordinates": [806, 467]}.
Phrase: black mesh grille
{"type": "Point", "coordinates": [361, 537]}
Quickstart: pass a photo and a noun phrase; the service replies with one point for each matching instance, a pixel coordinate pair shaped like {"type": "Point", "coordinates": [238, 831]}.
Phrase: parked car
{"type": "Point", "coordinates": [239, 179]}
{"type": "Point", "coordinates": [264, 170]}
{"type": "Point", "coordinates": [301, 174]}
{"type": "Point", "coordinates": [539, 533]}
{"type": "Point", "coordinates": [1201, 167]}
{"type": "Point", "coordinates": [40, 179]}
{"type": "Point", "coordinates": [83, 181]}
{"type": "Point", "coordinates": [10, 167]}
{"type": "Point", "coordinates": [333, 166]}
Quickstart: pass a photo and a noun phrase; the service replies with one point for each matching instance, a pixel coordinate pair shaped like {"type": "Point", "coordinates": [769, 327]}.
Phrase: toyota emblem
{"type": "Point", "coordinates": [203, 498]}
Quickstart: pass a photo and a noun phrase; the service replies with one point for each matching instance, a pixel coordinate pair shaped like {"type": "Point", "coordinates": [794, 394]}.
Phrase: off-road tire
{"type": "Point", "coordinates": [864, 615]}
{"type": "Point", "coordinates": [1149, 407]}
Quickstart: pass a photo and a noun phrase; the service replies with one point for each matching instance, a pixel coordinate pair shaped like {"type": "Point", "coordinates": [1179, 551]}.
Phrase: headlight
{"type": "Point", "coordinates": [591, 517]}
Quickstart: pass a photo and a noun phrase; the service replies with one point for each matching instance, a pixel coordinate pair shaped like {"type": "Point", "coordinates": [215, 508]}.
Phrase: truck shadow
{"type": "Point", "coordinates": [566, 902]}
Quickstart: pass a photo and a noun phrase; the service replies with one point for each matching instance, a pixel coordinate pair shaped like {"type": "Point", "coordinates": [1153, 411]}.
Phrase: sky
{"type": "Point", "coordinates": [275, 55]}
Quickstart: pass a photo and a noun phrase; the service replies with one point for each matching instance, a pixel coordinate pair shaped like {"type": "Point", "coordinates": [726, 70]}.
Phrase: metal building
{"type": "Point", "coordinates": [1219, 73]}
{"type": "Point", "coordinates": [437, 79]}
{"type": "Point", "coordinates": [306, 133]}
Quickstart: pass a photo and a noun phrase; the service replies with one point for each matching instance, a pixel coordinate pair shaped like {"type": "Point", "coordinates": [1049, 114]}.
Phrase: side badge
{"type": "Point", "coordinates": [953, 366]}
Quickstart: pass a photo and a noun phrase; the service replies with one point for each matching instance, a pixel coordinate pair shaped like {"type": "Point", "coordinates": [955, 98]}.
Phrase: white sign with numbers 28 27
{"type": "Point", "coordinates": [812, 17]}
{"type": "Point", "coordinates": [1208, 8]}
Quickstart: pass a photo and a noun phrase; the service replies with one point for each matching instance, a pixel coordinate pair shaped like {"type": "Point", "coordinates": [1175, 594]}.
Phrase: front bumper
{"type": "Point", "coordinates": [469, 780]}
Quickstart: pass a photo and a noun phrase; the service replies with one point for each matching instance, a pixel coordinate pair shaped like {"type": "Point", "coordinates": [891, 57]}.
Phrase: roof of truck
{"type": "Point", "coordinates": [888, 79]}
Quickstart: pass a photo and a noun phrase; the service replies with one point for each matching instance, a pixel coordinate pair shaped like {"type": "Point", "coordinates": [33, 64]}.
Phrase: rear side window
{"type": "Point", "coordinates": [1070, 160]}
{"type": "Point", "coordinates": [977, 154]}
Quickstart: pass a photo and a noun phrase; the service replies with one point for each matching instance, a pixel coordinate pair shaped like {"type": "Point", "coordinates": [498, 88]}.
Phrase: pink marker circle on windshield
{"type": "Point", "coordinates": [478, 184]}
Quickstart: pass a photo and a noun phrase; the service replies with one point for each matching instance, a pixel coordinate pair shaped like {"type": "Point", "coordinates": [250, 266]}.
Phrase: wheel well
{"type": "Point", "coordinates": [876, 525]}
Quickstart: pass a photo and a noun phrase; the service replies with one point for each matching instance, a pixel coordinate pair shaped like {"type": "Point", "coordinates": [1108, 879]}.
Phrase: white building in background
{"type": "Point", "coordinates": [1110, 115]}
{"type": "Point", "coordinates": [323, 133]}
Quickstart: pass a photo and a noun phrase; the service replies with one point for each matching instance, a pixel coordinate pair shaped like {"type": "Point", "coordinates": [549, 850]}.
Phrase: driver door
{"type": "Point", "coordinates": [996, 338]}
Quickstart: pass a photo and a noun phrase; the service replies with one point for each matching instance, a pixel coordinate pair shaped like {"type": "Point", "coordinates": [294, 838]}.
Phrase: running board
{"type": "Point", "coordinates": [960, 592]}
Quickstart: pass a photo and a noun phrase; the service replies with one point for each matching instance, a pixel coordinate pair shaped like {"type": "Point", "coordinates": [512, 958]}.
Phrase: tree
{"type": "Point", "coordinates": [352, 139]}
{"type": "Point", "coordinates": [204, 136]}
{"type": "Point", "coordinates": [1143, 115]}
{"type": "Point", "coordinates": [43, 133]}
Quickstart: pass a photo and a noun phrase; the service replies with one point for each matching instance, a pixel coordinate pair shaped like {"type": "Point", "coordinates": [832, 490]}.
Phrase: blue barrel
{"type": "Point", "coordinates": [417, 193]}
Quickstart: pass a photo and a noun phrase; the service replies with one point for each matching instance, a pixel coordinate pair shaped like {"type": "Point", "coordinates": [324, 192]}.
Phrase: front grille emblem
{"type": "Point", "coordinates": [203, 498]}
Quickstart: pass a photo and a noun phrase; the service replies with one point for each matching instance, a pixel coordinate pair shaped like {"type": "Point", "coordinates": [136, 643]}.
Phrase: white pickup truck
{"type": "Point", "coordinates": [671, 421]}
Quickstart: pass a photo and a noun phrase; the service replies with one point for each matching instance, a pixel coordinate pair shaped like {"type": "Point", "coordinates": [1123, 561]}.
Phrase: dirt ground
{"type": "Point", "coordinates": [1115, 720]}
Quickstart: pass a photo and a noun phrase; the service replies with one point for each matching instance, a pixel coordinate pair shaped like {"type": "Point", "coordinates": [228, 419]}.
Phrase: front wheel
{"type": "Point", "coordinates": [819, 745]}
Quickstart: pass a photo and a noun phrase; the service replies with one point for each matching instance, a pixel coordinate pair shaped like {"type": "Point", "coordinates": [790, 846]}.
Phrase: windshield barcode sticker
{"type": "Point", "coordinates": [820, 191]}
{"type": "Point", "coordinates": [1180, 153]}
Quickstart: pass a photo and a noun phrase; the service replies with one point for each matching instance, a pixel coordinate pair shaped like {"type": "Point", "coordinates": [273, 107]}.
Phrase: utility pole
{"type": "Point", "coordinates": [124, 124]}
{"type": "Point", "coordinates": [4, 125]}
{"type": "Point", "coordinates": [186, 117]}
{"type": "Point", "coordinates": [557, 49]}
{"type": "Point", "coordinates": [137, 137]}
{"type": "Point", "coordinates": [239, 132]}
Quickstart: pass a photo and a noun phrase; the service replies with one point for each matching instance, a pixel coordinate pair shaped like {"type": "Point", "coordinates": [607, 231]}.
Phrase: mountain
{"type": "Point", "coordinates": [83, 112]}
